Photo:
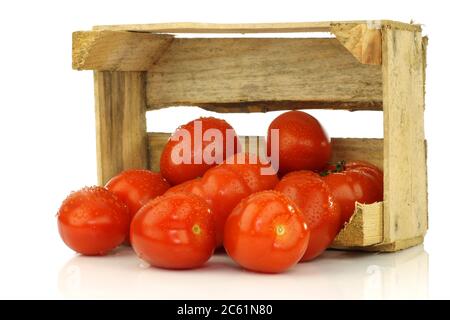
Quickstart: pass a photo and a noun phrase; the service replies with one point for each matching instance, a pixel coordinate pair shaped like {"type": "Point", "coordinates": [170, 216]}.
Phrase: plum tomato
{"type": "Point", "coordinates": [303, 143]}
{"type": "Point", "coordinates": [174, 231]}
{"type": "Point", "coordinates": [135, 187]}
{"type": "Point", "coordinates": [354, 182]}
{"type": "Point", "coordinates": [176, 172]}
{"type": "Point", "coordinates": [365, 166]}
{"type": "Point", "coordinates": [93, 221]}
{"type": "Point", "coordinates": [266, 232]}
{"type": "Point", "coordinates": [314, 199]}
{"type": "Point", "coordinates": [223, 189]}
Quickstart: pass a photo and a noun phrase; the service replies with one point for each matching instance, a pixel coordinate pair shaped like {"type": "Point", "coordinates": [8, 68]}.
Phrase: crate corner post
{"type": "Point", "coordinates": [120, 122]}
{"type": "Point", "coordinates": [405, 190]}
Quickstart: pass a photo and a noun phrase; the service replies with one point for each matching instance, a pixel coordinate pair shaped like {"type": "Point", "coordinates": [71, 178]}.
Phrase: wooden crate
{"type": "Point", "coordinates": [364, 65]}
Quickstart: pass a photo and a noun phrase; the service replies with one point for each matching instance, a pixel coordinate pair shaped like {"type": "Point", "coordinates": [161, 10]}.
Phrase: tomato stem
{"type": "Point", "coordinates": [338, 167]}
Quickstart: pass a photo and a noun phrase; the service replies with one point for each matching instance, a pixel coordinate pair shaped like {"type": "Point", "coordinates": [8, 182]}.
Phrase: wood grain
{"type": "Point", "coordinates": [397, 245]}
{"type": "Point", "coordinates": [365, 149]}
{"type": "Point", "coordinates": [365, 228]}
{"type": "Point", "coordinates": [116, 50]}
{"type": "Point", "coordinates": [193, 27]}
{"type": "Point", "coordinates": [405, 191]}
{"type": "Point", "coordinates": [267, 106]}
{"type": "Point", "coordinates": [362, 41]}
{"type": "Point", "coordinates": [120, 122]}
{"type": "Point", "coordinates": [244, 71]}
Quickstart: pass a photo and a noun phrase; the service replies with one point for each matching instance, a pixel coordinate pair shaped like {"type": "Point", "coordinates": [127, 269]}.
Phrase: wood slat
{"type": "Point", "coordinates": [236, 74]}
{"type": "Point", "coordinates": [405, 191]}
{"type": "Point", "coordinates": [364, 229]}
{"type": "Point", "coordinates": [193, 27]}
{"type": "Point", "coordinates": [116, 50]}
{"type": "Point", "coordinates": [120, 123]}
{"type": "Point", "coordinates": [367, 149]}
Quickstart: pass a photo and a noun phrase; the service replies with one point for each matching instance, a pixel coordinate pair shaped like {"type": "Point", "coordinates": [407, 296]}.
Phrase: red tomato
{"type": "Point", "coordinates": [177, 173]}
{"type": "Point", "coordinates": [369, 169]}
{"type": "Point", "coordinates": [357, 182]}
{"type": "Point", "coordinates": [93, 221]}
{"type": "Point", "coordinates": [314, 199]}
{"type": "Point", "coordinates": [223, 189]}
{"type": "Point", "coordinates": [266, 232]}
{"type": "Point", "coordinates": [250, 167]}
{"type": "Point", "coordinates": [136, 187]}
{"type": "Point", "coordinates": [174, 231]}
{"type": "Point", "coordinates": [303, 143]}
{"type": "Point", "coordinates": [365, 166]}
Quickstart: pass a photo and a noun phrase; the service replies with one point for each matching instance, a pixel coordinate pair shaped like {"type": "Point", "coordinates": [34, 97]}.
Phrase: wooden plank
{"type": "Point", "coordinates": [384, 247]}
{"type": "Point", "coordinates": [397, 245]}
{"type": "Point", "coordinates": [120, 122]}
{"type": "Point", "coordinates": [117, 50]}
{"type": "Point", "coordinates": [267, 71]}
{"type": "Point", "coordinates": [192, 27]}
{"type": "Point", "coordinates": [365, 149]}
{"type": "Point", "coordinates": [405, 191]}
{"type": "Point", "coordinates": [267, 106]}
{"type": "Point", "coordinates": [365, 228]}
{"type": "Point", "coordinates": [156, 143]}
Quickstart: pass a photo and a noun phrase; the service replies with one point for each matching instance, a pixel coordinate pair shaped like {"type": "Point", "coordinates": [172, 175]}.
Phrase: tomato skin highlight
{"type": "Point", "coordinates": [174, 231]}
{"type": "Point", "coordinates": [178, 173]}
{"type": "Point", "coordinates": [303, 143]}
{"type": "Point", "coordinates": [135, 187]}
{"type": "Point", "coordinates": [93, 221]}
{"type": "Point", "coordinates": [314, 199]}
{"type": "Point", "coordinates": [266, 232]}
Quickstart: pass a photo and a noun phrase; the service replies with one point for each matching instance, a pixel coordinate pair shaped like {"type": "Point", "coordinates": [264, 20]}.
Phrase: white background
{"type": "Point", "coordinates": [48, 149]}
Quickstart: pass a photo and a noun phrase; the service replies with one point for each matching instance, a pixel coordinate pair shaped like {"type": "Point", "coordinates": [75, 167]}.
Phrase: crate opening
{"type": "Point", "coordinates": [367, 124]}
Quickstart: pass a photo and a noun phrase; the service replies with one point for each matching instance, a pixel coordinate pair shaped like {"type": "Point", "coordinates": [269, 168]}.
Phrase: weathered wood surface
{"type": "Point", "coordinates": [361, 40]}
{"type": "Point", "coordinates": [117, 50]}
{"type": "Point", "coordinates": [273, 72]}
{"type": "Point", "coordinates": [120, 122]}
{"type": "Point", "coordinates": [364, 229]}
{"type": "Point", "coordinates": [405, 190]}
{"type": "Point", "coordinates": [193, 27]}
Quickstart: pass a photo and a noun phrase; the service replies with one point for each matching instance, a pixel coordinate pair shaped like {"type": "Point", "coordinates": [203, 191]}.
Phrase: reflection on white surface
{"type": "Point", "coordinates": [335, 275]}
